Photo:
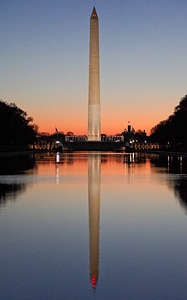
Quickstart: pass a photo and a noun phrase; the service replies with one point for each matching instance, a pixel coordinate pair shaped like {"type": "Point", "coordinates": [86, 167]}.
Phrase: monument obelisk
{"type": "Point", "coordinates": [94, 123]}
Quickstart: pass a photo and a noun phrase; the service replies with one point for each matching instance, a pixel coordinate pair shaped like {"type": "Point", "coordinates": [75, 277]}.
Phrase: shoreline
{"type": "Point", "coordinates": [158, 152]}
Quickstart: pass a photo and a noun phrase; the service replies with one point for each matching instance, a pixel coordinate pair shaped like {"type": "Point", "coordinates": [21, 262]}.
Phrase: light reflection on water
{"type": "Point", "coordinates": [94, 226]}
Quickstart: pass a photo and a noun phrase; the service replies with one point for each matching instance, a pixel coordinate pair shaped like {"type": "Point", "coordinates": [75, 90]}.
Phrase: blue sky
{"type": "Point", "coordinates": [45, 52]}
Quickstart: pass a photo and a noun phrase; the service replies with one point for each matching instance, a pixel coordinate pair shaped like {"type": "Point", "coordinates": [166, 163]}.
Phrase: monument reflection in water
{"type": "Point", "coordinates": [94, 174]}
{"type": "Point", "coordinates": [94, 170]}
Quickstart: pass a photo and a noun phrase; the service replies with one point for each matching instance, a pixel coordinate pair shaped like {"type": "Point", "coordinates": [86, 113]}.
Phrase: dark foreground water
{"type": "Point", "coordinates": [94, 226]}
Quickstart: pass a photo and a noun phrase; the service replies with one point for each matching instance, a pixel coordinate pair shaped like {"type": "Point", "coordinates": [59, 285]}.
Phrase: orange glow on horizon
{"type": "Point", "coordinates": [78, 124]}
{"type": "Point", "coordinates": [113, 119]}
{"type": "Point", "coordinates": [81, 129]}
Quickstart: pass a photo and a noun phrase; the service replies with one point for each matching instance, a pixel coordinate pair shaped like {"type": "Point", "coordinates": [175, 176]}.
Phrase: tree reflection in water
{"type": "Point", "coordinates": [180, 189]}
{"type": "Point", "coordinates": [176, 165]}
{"type": "Point", "coordinates": [13, 165]}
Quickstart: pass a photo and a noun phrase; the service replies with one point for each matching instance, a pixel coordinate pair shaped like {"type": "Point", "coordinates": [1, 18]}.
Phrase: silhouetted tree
{"type": "Point", "coordinates": [16, 128]}
{"type": "Point", "coordinates": [173, 131]}
{"type": "Point", "coordinates": [70, 133]}
{"type": "Point", "coordinates": [140, 136]}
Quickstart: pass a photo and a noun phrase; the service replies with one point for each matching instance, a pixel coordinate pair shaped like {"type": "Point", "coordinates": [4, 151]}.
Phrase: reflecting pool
{"type": "Point", "coordinates": [93, 226]}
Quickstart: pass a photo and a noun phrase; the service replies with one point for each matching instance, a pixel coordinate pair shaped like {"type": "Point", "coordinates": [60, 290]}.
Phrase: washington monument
{"type": "Point", "coordinates": [94, 123]}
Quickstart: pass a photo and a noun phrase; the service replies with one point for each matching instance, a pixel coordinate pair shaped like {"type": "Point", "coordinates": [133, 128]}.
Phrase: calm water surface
{"type": "Point", "coordinates": [94, 226]}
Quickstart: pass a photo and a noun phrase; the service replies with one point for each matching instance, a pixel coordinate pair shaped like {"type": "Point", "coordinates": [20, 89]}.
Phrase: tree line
{"type": "Point", "coordinates": [172, 132]}
{"type": "Point", "coordinates": [16, 128]}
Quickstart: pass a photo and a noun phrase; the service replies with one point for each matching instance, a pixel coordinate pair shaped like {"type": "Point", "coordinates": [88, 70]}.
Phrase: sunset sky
{"type": "Point", "coordinates": [44, 59]}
